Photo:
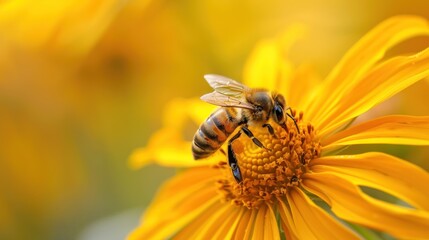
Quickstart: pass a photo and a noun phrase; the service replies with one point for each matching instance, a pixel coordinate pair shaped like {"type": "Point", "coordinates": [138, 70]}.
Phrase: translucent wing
{"type": "Point", "coordinates": [219, 99]}
{"type": "Point", "coordinates": [226, 86]}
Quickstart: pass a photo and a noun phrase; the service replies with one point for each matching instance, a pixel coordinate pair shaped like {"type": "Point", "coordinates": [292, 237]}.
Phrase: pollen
{"type": "Point", "coordinates": [272, 171]}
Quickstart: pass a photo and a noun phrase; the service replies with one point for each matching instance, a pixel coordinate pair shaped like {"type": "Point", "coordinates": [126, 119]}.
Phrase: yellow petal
{"type": "Point", "coordinates": [216, 226]}
{"type": "Point", "coordinates": [176, 219]}
{"type": "Point", "coordinates": [405, 130]}
{"type": "Point", "coordinates": [271, 230]}
{"type": "Point", "coordinates": [178, 113]}
{"type": "Point", "coordinates": [314, 223]}
{"type": "Point", "coordinates": [348, 202]}
{"type": "Point", "coordinates": [267, 66]}
{"type": "Point", "coordinates": [245, 225]}
{"type": "Point", "coordinates": [186, 197]}
{"type": "Point", "coordinates": [261, 71]}
{"type": "Point", "coordinates": [384, 81]}
{"type": "Point", "coordinates": [342, 81]}
{"type": "Point", "coordinates": [298, 95]}
{"type": "Point", "coordinates": [380, 171]}
{"type": "Point", "coordinates": [248, 233]}
{"type": "Point", "coordinates": [231, 227]}
{"type": "Point", "coordinates": [288, 224]}
{"type": "Point", "coordinates": [183, 186]}
{"type": "Point", "coordinates": [258, 228]}
{"type": "Point", "coordinates": [287, 233]}
{"type": "Point", "coordinates": [167, 148]}
{"type": "Point", "coordinates": [186, 182]}
{"type": "Point", "coordinates": [190, 230]}
{"type": "Point", "coordinates": [265, 224]}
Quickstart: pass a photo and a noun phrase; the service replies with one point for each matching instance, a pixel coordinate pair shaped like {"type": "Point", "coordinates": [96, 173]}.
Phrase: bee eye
{"type": "Point", "coordinates": [278, 114]}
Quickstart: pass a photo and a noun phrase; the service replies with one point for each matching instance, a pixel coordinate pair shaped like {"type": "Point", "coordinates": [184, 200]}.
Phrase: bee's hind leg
{"type": "Point", "coordinates": [232, 160]}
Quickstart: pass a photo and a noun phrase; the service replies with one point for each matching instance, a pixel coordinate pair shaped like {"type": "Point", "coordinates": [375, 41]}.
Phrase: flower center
{"type": "Point", "coordinates": [270, 173]}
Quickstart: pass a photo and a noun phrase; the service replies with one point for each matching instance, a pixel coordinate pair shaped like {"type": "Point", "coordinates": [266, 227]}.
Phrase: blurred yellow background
{"type": "Point", "coordinates": [83, 83]}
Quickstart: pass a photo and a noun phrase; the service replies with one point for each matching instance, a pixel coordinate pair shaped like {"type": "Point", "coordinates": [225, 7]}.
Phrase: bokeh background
{"type": "Point", "coordinates": [83, 83]}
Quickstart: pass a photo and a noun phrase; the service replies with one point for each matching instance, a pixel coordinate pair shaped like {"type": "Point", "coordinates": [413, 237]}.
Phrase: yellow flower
{"type": "Point", "coordinates": [302, 189]}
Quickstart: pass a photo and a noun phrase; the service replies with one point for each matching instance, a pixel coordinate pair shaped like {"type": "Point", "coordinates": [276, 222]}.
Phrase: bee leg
{"type": "Point", "coordinates": [232, 160]}
{"type": "Point", "coordinates": [270, 129]}
{"type": "Point", "coordinates": [291, 117]}
{"type": "Point", "coordinates": [254, 139]}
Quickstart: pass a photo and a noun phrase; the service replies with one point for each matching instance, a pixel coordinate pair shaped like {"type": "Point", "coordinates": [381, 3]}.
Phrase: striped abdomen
{"type": "Point", "coordinates": [215, 131]}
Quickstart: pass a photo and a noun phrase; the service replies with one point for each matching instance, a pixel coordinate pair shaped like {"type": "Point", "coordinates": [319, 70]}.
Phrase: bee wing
{"type": "Point", "coordinates": [222, 100]}
{"type": "Point", "coordinates": [226, 86]}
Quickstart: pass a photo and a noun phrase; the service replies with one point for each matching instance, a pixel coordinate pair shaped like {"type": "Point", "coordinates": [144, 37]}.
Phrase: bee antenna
{"type": "Point", "coordinates": [294, 120]}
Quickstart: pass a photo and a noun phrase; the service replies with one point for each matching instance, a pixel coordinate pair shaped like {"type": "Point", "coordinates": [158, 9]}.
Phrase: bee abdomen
{"type": "Point", "coordinates": [205, 141]}
{"type": "Point", "coordinates": [214, 132]}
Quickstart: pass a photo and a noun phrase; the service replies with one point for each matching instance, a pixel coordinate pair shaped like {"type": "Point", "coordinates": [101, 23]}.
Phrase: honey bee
{"type": "Point", "coordinates": [240, 106]}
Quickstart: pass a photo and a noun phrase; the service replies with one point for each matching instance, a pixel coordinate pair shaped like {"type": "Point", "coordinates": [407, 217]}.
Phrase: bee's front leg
{"type": "Point", "coordinates": [232, 159]}
{"type": "Point", "coordinates": [256, 141]}
{"type": "Point", "coordinates": [270, 129]}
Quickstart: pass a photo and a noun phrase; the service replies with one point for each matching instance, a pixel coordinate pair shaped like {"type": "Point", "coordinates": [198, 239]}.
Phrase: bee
{"type": "Point", "coordinates": [240, 106]}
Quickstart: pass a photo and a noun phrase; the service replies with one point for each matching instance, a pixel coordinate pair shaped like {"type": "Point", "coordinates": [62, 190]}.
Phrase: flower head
{"type": "Point", "coordinates": [297, 187]}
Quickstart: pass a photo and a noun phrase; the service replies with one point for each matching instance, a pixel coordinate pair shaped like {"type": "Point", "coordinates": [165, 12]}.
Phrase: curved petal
{"type": "Point", "coordinates": [262, 68]}
{"type": "Point", "coordinates": [348, 202]}
{"type": "Point", "coordinates": [288, 224]}
{"type": "Point", "coordinates": [166, 147]}
{"type": "Point", "coordinates": [258, 227]}
{"type": "Point", "coordinates": [191, 229]}
{"type": "Point", "coordinates": [199, 111]}
{"type": "Point", "coordinates": [380, 171]}
{"type": "Point", "coordinates": [267, 66]}
{"type": "Point", "coordinates": [187, 196]}
{"type": "Point", "coordinates": [265, 226]}
{"type": "Point", "coordinates": [245, 225]}
{"type": "Point", "coordinates": [231, 226]}
{"type": "Point", "coordinates": [204, 204]}
{"type": "Point", "coordinates": [271, 230]}
{"type": "Point", "coordinates": [250, 226]}
{"type": "Point", "coordinates": [359, 60]}
{"type": "Point", "coordinates": [299, 96]}
{"type": "Point", "coordinates": [314, 223]}
{"type": "Point", "coordinates": [382, 82]}
{"type": "Point", "coordinates": [216, 225]}
{"type": "Point", "coordinates": [186, 185]}
{"type": "Point", "coordinates": [405, 130]}
{"type": "Point", "coordinates": [178, 112]}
